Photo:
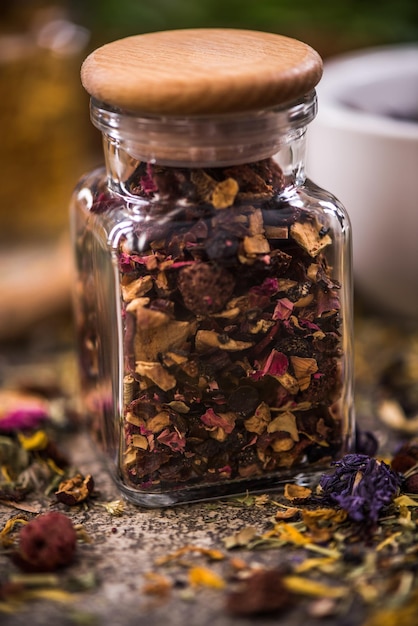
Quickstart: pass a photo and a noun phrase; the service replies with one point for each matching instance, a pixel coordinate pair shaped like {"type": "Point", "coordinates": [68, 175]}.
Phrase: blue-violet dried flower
{"type": "Point", "coordinates": [361, 485]}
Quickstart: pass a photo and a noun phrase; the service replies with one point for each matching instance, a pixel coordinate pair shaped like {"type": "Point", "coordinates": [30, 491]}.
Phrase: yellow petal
{"type": "Point", "coordinates": [36, 441]}
{"type": "Point", "coordinates": [202, 576]}
{"type": "Point", "coordinates": [290, 534]}
{"type": "Point", "coordinates": [307, 587]}
{"type": "Point", "coordinates": [405, 500]}
{"type": "Point", "coordinates": [313, 563]}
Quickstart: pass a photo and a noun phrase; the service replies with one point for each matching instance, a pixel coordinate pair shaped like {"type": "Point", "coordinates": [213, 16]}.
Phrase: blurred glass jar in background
{"type": "Point", "coordinates": [45, 144]}
{"type": "Point", "coordinates": [41, 113]}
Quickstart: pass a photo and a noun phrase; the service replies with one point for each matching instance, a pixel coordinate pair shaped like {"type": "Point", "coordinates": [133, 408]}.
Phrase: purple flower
{"type": "Point", "coordinates": [20, 411]}
{"type": "Point", "coordinates": [361, 485]}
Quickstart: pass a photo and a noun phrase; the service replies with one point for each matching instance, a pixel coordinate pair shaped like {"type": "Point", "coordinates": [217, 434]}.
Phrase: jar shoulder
{"type": "Point", "coordinates": [119, 214]}
{"type": "Point", "coordinates": [327, 201]}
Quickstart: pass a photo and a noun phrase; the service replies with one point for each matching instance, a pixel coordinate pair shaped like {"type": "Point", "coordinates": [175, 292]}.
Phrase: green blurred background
{"type": "Point", "coordinates": [48, 141]}
{"type": "Point", "coordinates": [330, 25]}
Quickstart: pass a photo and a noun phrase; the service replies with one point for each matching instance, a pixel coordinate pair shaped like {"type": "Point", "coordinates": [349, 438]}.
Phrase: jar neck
{"type": "Point", "coordinates": [204, 142]}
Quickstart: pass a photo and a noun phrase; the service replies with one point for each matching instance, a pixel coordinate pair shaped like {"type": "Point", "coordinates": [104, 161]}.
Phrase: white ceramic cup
{"type": "Point", "coordinates": [363, 147]}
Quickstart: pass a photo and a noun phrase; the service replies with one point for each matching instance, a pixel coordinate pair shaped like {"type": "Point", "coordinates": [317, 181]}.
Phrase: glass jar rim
{"type": "Point", "coordinates": [220, 140]}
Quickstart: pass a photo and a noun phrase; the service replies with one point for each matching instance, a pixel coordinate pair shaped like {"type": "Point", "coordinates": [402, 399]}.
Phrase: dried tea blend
{"type": "Point", "coordinates": [213, 301]}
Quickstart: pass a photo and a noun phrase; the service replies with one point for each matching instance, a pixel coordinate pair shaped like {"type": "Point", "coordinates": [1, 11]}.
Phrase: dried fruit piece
{"type": "Point", "coordinates": [224, 193]}
{"type": "Point", "coordinates": [46, 543]}
{"type": "Point", "coordinates": [262, 592]}
{"type": "Point", "coordinates": [309, 236]}
{"type": "Point", "coordinates": [205, 288]}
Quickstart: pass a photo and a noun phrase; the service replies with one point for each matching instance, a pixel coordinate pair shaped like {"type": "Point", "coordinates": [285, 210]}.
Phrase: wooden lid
{"type": "Point", "coordinates": [201, 71]}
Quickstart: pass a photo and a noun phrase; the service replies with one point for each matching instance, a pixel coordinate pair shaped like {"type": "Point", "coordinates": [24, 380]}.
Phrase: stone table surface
{"type": "Point", "coordinates": [116, 554]}
{"type": "Point", "coordinates": [122, 549]}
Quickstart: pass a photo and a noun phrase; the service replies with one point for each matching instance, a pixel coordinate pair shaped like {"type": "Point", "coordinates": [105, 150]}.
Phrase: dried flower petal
{"type": "Point", "coordinates": [285, 422]}
{"type": "Point", "coordinates": [308, 587]}
{"type": "Point", "coordinates": [136, 288]}
{"type": "Point", "coordinates": [204, 577]}
{"type": "Point", "coordinates": [226, 421]}
{"type": "Point", "coordinates": [361, 485]}
{"type": "Point", "coordinates": [115, 507]}
{"type": "Point", "coordinates": [35, 441]}
{"type": "Point", "coordinates": [240, 539]}
{"type": "Point", "coordinates": [283, 309]}
{"type": "Point", "coordinates": [209, 339]}
{"type": "Point", "coordinates": [259, 422]}
{"type": "Point", "coordinates": [173, 440]}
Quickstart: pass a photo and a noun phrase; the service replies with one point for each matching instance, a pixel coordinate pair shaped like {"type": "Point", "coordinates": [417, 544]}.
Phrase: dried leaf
{"type": "Point", "coordinates": [286, 513]}
{"type": "Point", "coordinates": [392, 539]}
{"type": "Point", "coordinates": [296, 492]}
{"type": "Point", "coordinates": [158, 422]}
{"type": "Point", "coordinates": [259, 422]}
{"type": "Point", "coordinates": [240, 539]}
{"type": "Point", "coordinates": [157, 585]}
{"type": "Point", "coordinates": [115, 507]}
{"type": "Point", "coordinates": [157, 373]}
{"type": "Point", "coordinates": [209, 339]}
{"type": "Point", "coordinates": [156, 333]}
{"type": "Point", "coordinates": [285, 422]}
{"type": "Point", "coordinates": [212, 554]}
{"type": "Point", "coordinates": [136, 288]}
{"type": "Point", "coordinates": [303, 369]}
{"type": "Point", "coordinates": [140, 441]}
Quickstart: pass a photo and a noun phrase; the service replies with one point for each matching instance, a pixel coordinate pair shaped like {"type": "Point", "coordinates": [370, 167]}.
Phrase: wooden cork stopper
{"type": "Point", "coordinates": [201, 71]}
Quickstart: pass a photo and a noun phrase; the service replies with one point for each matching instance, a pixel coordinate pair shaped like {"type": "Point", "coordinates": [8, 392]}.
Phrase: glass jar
{"type": "Point", "coordinates": [213, 298]}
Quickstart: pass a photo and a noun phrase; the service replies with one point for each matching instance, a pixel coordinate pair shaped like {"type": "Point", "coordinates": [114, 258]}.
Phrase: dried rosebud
{"type": "Point", "coordinates": [205, 288]}
{"type": "Point", "coordinates": [361, 485]}
{"type": "Point", "coordinates": [262, 592]}
{"type": "Point", "coordinates": [405, 458]}
{"type": "Point", "coordinates": [75, 490]}
{"type": "Point", "coordinates": [46, 543]}
{"type": "Point", "coordinates": [410, 484]}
